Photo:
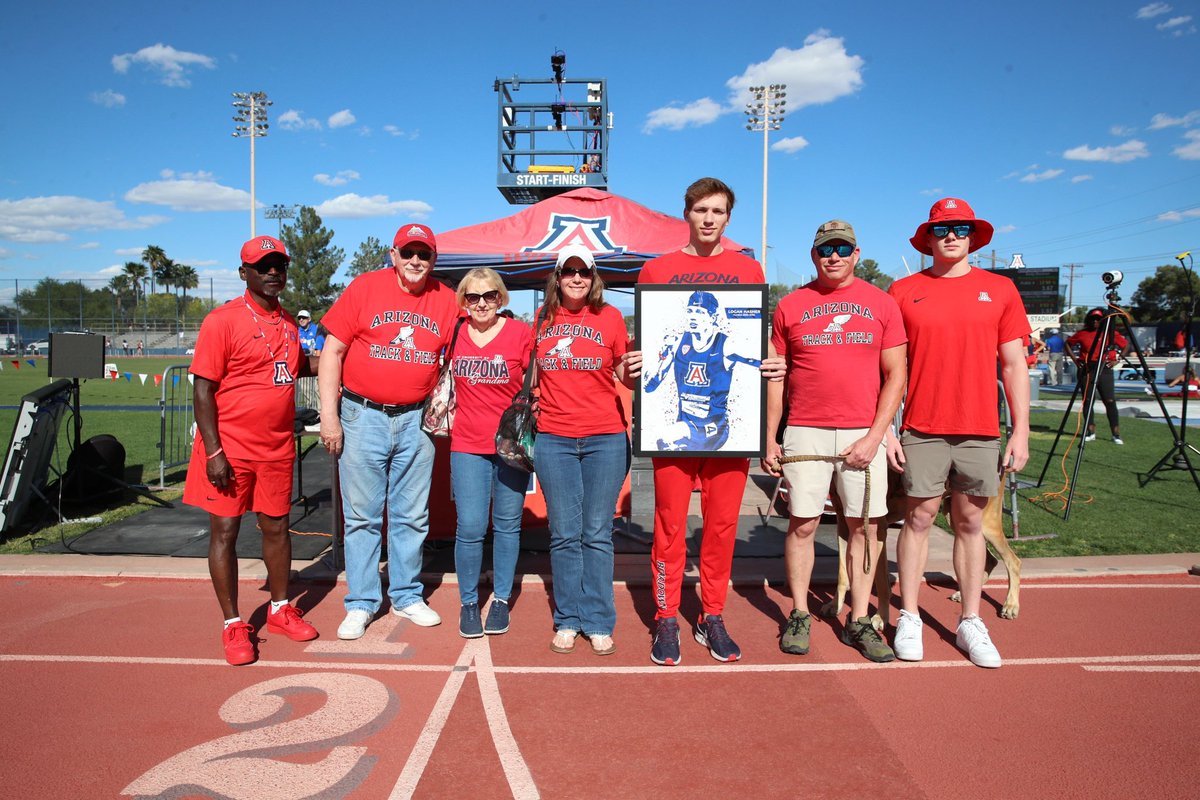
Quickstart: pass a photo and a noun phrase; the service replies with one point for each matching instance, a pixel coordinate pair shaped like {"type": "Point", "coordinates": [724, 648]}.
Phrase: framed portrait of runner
{"type": "Point", "coordinates": [701, 393]}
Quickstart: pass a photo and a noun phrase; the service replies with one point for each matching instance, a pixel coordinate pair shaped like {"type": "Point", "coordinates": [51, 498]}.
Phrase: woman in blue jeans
{"type": "Point", "coordinates": [582, 453]}
{"type": "Point", "coordinates": [489, 361]}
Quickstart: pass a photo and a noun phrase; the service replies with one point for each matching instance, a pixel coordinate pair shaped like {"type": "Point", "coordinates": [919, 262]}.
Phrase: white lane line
{"type": "Point", "coordinates": [1026, 585]}
{"type": "Point", "coordinates": [377, 641]}
{"type": "Point", "coordinates": [220, 662]}
{"type": "Point", "coordinates": [520, 781]}
{"type": "Point", "coordinates": [418, 759]}
{"type": "Point", "coordinates": [1118, 668]}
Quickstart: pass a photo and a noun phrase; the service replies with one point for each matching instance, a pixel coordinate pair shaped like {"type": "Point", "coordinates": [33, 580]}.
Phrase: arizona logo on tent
{"type": "Point", "coordinates": [565, 229]}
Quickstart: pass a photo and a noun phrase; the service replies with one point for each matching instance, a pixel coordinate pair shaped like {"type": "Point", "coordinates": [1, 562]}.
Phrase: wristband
{"type": "Point", "coordinates": [214, 455]}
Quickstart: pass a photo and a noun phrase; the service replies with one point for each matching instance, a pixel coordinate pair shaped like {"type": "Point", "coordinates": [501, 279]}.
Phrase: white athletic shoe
{"type": "Point", "coordinates": [907, 642]}
{"type": "Point", "coordinates": [973, 639]}
{"type": "Point", "coordinates": [419, 614]}
{"type": "Point", "coordinates": [1118, 440]}
{"type": "Point", "coordinates": [1091, 437]}
{"type": "Point", "coordinates": [355, 624]}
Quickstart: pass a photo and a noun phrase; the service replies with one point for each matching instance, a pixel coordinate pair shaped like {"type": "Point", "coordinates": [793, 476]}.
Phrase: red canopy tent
{"type": "Point", "coordinates": [524, 246]}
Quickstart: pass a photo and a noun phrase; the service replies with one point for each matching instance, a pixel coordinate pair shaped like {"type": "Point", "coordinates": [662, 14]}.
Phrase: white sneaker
{"type": "Point", "coordinates": [973, 639]}
{"type": "Point", "coordinates": [355, 624]}
{"type": "Point", "coordinates": [1091, 437]}
{"type": "Point", "coordinates": [419, 614]}
{"type": "Point", "coordinates": [1118, 440]}
{"type": "Point", "coordinates": [907, 641]}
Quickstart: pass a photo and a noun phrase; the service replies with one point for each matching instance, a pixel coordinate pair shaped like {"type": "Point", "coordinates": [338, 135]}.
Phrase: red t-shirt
{"type": "Point", "coordinates": [832, 340]}
{"type": "Point", "coordinates": [1085, 339]}
{"type": "Point", "coordinates": [576, 356]}
{"type": "Point", "coordinates": [679, 267]}
{"type": "Point", "coordinates": [955, 327]}
{"type": "Point", "coordinates": [394, 339]}
{"type": "Point", "coordinates": [485, 380]}
{"type": "Point", "coordinates": [254, 364]}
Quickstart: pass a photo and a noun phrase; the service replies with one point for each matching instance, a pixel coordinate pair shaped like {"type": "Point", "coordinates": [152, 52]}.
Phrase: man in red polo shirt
{"type": "Point", "coordinates": [247, 359]}
{"type": "Point", "coordinates": [707, 205]}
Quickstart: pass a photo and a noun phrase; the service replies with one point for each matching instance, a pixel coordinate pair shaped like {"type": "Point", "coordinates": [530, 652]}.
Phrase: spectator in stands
{"type": "Point", "coordinates": [140, 348]}
{"type": "Point", "coordinates": [1095, 361]}
{"type": "Point", "coordinates": [1055, 349]}
{"type": "Point", "coordinates": [386, 334]}
{"type": "Point", "coordinates": [1190, 380]}
{"type": "Point", "coordinates": [489, 361]}
{"type": "Point", "coordinates": [311, 339]}
{"type": "Point", "coordinates": [244, 384]}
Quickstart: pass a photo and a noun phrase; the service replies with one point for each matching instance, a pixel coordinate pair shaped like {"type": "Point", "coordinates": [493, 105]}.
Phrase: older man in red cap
{"type": "Point", "coordinates": [958, 319]}
{"type": "Point", "coordinates": [381, 357]}
{"type": "Point", "coordinates": [247, 359]}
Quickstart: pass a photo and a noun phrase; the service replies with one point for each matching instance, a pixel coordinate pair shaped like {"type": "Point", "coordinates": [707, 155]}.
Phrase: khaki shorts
{"type": "Point", "coordinates": [970, 463]}
{"type": "Point", "coordinates": [808, 481]}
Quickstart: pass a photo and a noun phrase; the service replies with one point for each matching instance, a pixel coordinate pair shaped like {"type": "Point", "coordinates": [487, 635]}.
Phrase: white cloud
{"type": "Point", "coordinates": [392, 130]}
{"type": "Point", "coordinates": [1191, 150]}
{"type": "Point", "coordinates": [1021, 171]}
{"type": "Point", "coordinates": [1122, 130]}
{"type": "Point", "coordinates": [676, 117]}
{"type": "Point", "coordinates": [341, 119]}
{"type": "Point", "coordinates": [353, 206]}
{"type": "Point", "coordinates": [819, 72]}
{"type": "Point", "coordinates": [1160, 121]}
{"type": "Point", "coordinates": [293, 120]}
{"type": "Point", "coordinates": [45, 219]}
{"type": "Point", "coordinates": [1119, 154]}
{"type": "Point", "coordinates": [792, 144]}
{"type": "Point", "coordinates": [1038, 177]}
{"type": "Point", "coordinates": [1006, 229]}
{"type": "Point", "coordinates": [1081, 178]}
{"type": "Point", "coordinates": [934, 192]}
{"type": "Point", "coordinates": [189, 191]}
{"type": "Point", "coordinates": [340, 179]}
{"type": "Point", "coordinates": [5, 253]}
{"type": "Point", "coordinates": [1173, 22]}
{"type": "Point", "coordinates": [129, 252]}
{"type": "Point", "coordinates": [1153, 10]}
{"type": "Point", "coordinates": [108, 98]}
{"type": "Point", "coordinates": [88, 245]}
{"type": "Point", "coordinates": [171, 64]}
{"type": "Point", "coordinates": [1179, 216]}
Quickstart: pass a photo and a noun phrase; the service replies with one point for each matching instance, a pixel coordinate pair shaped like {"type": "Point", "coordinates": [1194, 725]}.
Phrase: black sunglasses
{"type": "Point", "coordinates": [421, 253]}
{"type": "Point", "coordinates": [961, 230]}
{"type": "Point", "coordinates": [491, 297]}
{"type": "Point", "coordinates": [263, 268]}
{"type": "Point", "coordinates": [583, 272]}
{"type": "Point", "coordinates": [826, 250]}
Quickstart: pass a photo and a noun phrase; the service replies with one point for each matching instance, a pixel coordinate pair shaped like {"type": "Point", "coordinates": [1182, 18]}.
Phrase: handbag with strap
{"type": "Point", "coordinates": [517, 431]}
{"type": "Point", "coordinates": [437, 418]}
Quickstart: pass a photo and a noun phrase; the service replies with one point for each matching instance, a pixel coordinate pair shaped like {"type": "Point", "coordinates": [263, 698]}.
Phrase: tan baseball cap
{"type": "Point", "coordinates": [835, 230]}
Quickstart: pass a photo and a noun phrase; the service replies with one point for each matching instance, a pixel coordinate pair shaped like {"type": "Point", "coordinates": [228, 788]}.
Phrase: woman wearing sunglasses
{"type": "Point", "coordinates": [489, 361]}
{"type": "Point", "coordinates": [582, 446]}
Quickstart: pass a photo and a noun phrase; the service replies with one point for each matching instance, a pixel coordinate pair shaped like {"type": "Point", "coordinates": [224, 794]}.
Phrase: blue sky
{"type": "Point", "coordinates": [1073, 128]}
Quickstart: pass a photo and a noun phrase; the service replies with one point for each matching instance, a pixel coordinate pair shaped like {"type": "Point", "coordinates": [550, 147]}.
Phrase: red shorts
{"type": "Point", "coordinates": [262, 486]}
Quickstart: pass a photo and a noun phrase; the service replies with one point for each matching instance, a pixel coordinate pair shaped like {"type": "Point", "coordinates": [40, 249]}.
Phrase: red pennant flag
{"type": "Point", "coordinates": [16, 363]}
{"type": "Point", "coordinates": [157, 380]}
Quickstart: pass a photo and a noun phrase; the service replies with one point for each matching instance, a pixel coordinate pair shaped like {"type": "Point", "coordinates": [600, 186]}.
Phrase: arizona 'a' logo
{"type": "Point", "coordinates": [564, 229]}
{"type": "Point", "coordinates": [697, 374]}
{"type": "Point", "coordinates": [283, 374]}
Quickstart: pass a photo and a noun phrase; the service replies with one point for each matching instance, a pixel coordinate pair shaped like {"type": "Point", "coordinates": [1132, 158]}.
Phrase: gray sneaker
{"type": "Point", "coordinates": [355, 624]}
{"type": "Point", "coordinates": [907, 640]}
{"type": "Point", "coordinates": [796, 633]}
{"type": "Point", "coordinates": [419, 614]}
{"type": "Point", "coordinates": [973, 639]}
{"type": "Point", "coordinates": [861, 634]}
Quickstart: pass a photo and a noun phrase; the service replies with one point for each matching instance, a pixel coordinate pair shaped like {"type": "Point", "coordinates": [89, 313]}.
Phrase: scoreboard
{"type": "Point", "coordinates": [1038, 287]}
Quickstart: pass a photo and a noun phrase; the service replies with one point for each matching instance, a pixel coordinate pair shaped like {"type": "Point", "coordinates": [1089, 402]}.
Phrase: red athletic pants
{"type": "Point", "coordinates": [722, 483]}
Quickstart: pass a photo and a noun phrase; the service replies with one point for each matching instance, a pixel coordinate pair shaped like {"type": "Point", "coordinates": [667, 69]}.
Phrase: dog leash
{"type": "Point", "coordinates": [866, 512]}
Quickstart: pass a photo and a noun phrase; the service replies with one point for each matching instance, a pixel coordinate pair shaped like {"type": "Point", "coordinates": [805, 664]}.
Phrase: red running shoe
{"type": "Point", "coordinates": [288, 622]}
{"type": "Point", "coordinates": [238, 640]}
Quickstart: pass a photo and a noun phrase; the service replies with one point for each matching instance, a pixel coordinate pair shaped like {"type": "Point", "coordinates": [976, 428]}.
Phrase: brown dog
{"type": "Point", "coordinates": [993, 533]}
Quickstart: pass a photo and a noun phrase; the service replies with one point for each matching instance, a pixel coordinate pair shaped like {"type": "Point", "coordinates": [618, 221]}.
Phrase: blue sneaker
{"type": "Point", "coordinates": [497, 618]}
{"type": "Point", "coordinates": [469, 624]}
{"type": "Point", "coordinates": [665, 650]}
{"type": "Point", "coordinates": [710, 632]}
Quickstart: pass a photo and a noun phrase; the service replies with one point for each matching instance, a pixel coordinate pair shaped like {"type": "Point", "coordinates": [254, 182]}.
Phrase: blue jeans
{"type": "Point", "coordinates": [386, 465]}
{"type": "Point", "coordinates": [480, 481]}
{"type": "Point", "coordinates": [582, 479]}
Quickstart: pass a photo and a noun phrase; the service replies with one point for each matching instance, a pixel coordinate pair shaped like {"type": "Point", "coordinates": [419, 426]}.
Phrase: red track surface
{"type": "Point", "coordinates": [118, 687]}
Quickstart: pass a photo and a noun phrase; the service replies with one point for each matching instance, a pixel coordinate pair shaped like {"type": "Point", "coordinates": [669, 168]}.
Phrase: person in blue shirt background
{"type": "Point", "coordinates": [1054, 345]}
{"type": "Point", "coordinates": [312, 341]}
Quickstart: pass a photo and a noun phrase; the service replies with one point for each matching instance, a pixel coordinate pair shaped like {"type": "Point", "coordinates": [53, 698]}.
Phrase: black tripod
{"type": "Point", "coordinates": [1094, 364]}
{"type": "Point", "coordinates": [1177, 457]}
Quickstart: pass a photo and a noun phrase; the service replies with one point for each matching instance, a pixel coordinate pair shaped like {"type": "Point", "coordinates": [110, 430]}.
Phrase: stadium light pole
{"type": "Point", "coordinates": [251, 119]}
{"type": "Point", "coordinates": [765, 113]}
{"type": "Point", "coordinates": [280, 212]}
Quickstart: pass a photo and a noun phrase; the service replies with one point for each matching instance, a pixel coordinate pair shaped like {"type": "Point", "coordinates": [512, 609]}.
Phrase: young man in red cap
{"type": "Point", "coordinates": [1095, 363]}
{"type": "Point", "coordinates": [380, 361]}
{"type": "Point", "coordinates": [247, 359]}
{"type": "Point", "coordinates": [845, 346]}
{"type": "Point", "coordinates": [958, 319]}
{"type": "Point", "coordinates": [707, 204]}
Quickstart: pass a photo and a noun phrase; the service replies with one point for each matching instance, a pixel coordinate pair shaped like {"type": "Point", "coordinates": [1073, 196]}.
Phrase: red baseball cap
{"type": "Point", "coordinates": [952, 209]}
{"type": "Point", "coordinates": [414, 233]}
{"type": "Point", "coordinates": [259, 247]}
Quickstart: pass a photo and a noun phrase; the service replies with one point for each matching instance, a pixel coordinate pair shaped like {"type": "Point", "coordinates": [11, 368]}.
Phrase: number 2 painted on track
{"type": "Point", "coordinates": [241, 766]}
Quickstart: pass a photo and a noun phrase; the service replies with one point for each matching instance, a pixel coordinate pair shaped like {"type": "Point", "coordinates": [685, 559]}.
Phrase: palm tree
{"type": "Point", "coordinates": [135, 272]}
{"type": "Point", "coordinates": [165, 272]}
{"type": "Point", "coordinates": [186, 278]}
{"type": "Point", "coordinates": [119, 285]}
{"type": "Point", "coordinates": [153, 257]}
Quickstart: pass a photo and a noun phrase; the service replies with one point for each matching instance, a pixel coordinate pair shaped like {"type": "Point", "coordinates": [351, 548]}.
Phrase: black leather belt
{"type": "Point", "coordinates": [391, 411]}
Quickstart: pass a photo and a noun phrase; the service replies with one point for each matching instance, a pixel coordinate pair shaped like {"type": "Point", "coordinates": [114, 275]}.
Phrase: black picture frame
{"type": "Point", "coordinates": [672, 331]}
